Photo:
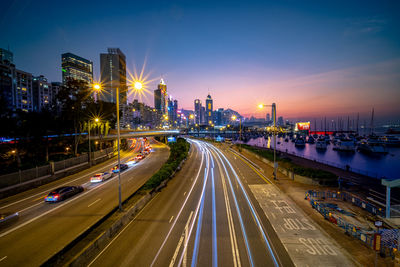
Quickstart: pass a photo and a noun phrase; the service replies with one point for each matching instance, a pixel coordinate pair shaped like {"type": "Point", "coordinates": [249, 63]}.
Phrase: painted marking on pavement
{"type": "Point", "coordinates": [112, 241]}
{"type": "Point", "coordinates": [184, 236]}
{"type": "Point", "coordinates": [97, 200]}
{"type": "Point", "coordinates": [170, 220]}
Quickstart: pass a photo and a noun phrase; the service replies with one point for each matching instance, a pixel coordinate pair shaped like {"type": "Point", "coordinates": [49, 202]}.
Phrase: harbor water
{"type": "Point", "coordinates": [385, 166]}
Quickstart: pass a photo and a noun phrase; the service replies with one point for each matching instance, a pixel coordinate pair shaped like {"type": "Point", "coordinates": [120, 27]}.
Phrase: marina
{"type": "Point", "coordinates": [371, 159]}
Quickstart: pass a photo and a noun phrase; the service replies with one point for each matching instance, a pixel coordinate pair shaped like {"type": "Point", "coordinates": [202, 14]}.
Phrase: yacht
{"type": "Point", "coordinates": [299, 142]}
{"type": "Point", "coordinates": [390, 140]}
{"type": "Point", "coordinates": [372, 145]}
{"type": "Point", "coordinates": [321, 143]}
{"type": "Point", "coordinates": [345, 144]}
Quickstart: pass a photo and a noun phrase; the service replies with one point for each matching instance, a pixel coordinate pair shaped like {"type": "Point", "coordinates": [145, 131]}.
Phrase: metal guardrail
{"type": "Point", "coordinates": [46, 170]}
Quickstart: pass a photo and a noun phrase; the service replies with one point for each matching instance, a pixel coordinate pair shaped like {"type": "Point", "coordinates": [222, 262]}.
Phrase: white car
{"type": "Point", "coordinates": [100, 177]}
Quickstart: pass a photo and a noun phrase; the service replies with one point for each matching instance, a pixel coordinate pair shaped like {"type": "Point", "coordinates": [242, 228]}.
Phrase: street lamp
{"type": "Point", "coordinates": [240, 127]}
{"type": "Point", "coordinates": [274, 118]}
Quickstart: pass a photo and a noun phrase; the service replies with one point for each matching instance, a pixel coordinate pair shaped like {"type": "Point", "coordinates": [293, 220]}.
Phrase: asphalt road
{"type": "Point", "coordinates": [203, 217]}
{"type": "Point", "coordinates": [43, 228]}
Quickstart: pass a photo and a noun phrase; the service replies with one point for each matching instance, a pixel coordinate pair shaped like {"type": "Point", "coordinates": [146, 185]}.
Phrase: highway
{"type": "Point", "coordinates": [43, 228]}
{"type": "Point", "coordinates": [205, 216]}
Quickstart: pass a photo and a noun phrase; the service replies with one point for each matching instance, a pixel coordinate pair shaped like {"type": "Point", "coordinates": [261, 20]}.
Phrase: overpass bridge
{"type": "Point", "coordinates": [136, 134]}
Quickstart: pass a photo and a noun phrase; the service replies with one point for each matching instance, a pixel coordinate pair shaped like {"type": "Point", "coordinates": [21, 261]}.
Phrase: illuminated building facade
{"type": "Point", "coordinates": [113, 75]}
{"type": "Point", "coordinates": [23, 92]}
{"type": "Point", "coordinates": [209, 111]}
{"type": "Point", "coordinates": [42, 93]}
{"type": "Point", "coordinates": [197, 111]}
{"type": "Point", "coordinates": [76, 68]}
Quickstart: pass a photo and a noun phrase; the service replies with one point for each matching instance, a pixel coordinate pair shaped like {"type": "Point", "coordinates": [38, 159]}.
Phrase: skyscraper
{"type": "Point", "coordinates": [113, 75]}
{"type": "Point", "coordinates": [160, 98]}
{"type": "Point", "coordinates": [77, 68]}
{"type": "Point", "coordinates": [197, 111]}
{"type": "Point", "coordinates": [209, 110]}
{"type": "Point", "coordinates": [6, 55]}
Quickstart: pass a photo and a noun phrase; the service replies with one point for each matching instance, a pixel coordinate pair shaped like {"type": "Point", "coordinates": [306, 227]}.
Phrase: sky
{"type": "Point", "coordinates": [312, 58]}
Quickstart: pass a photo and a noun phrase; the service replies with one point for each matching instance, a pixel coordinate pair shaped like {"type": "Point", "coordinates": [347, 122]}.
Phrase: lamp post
{"type": "Point", "coordinates": [90, 149]}
{"type": "Point", "coordinates": [274, 118]}
{"type": "Point", "coordinates": [240, 128]}
{"type": "Point", "coordinates": [137, 86]}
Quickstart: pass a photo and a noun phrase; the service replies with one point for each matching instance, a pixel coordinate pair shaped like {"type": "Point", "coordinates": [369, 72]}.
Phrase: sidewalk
{"type": "Point", "coordinates": [360, 253]}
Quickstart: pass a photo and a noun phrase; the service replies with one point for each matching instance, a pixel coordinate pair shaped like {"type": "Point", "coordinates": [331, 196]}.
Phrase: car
{"type": "Point", "coordinates": [62, 193]}
{"type": "Point", "coordinates": [131, 161]}
{"type": "Point", "coordinates": [139, 156]}
{"type": "Point", "coordinates": [123, 167]}
{"type": "Point", "coordinates": [100, 177]}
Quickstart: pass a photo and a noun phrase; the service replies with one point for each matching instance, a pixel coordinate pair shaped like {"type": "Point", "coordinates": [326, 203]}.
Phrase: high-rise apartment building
{"type": "Point", "coordinates": [42, 93]}
{"type": "Point", "coordinates": [23, 92]}
{"type": "Point", "coordinates": [113, 75]}
{"type": "Point", "coordinates": [7, 84]}
{"type": "Point", "coordinates": [209, 110]}
{"type": "Point", "coordinates": [76, 68]}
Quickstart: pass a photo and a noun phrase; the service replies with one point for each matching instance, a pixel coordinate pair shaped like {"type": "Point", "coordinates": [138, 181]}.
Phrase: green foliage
{"type": "Point", "coordinates": [178, 152]}
{"type": "Point", "coordinates": [297, 169]}
{"type": "Point", "coordinates": [269, 155]}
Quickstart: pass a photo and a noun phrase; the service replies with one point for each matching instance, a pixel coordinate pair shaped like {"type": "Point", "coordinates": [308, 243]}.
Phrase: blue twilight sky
{"type": "Point", "coordinates": [313, 58]}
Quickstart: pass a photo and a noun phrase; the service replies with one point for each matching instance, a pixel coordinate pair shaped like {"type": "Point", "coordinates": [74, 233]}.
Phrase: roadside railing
{"type": "Point", "coordinates": [30, 174]}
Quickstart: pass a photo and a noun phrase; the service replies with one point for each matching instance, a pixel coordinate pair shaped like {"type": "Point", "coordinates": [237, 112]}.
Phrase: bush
{"type": "Point", "coordinates": [178, 152]}
{"type": "Point", "coordinates": [297, 169]}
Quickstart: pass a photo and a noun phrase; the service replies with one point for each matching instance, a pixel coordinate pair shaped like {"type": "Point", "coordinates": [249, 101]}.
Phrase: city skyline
{"type": "Point", "coordinates": [313, 60]}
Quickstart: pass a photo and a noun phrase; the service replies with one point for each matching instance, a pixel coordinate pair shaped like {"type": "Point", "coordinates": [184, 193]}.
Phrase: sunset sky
{"type": "Point", "coordinates": [312, 58]}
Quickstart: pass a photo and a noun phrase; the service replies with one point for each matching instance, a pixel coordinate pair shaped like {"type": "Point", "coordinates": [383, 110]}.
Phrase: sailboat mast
{"type": "Point", "coordinates": [372, 122]}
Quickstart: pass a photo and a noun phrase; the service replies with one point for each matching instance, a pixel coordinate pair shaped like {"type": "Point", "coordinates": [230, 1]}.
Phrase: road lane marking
{"type": "Point", "coordinates": [196, 213]}
{"type": "Point", "coordinates": [256, 171]}
{"type": "Point", "coordinates": [184, 193]}
{"type": "Point", "coordinates": [3, 258]}
{"type": "Point", "coordinates": [37, 204]}
{"type": "Point", "coordinates": [170, 220]}
{"type": "Point", "coordinates": [269, 245]}
{"type": "Point", "coordinates": [184, 236]}
{"type": "Point", "coordinates": [97, 200]}
{"type": "Point", "coordinates": [183, 205]}
{"type": "Point", "coordinates": [246, 241]}
{"type": "Point", "coordinates": [214, 222]}
{"type": "Point", "coordinates": [199, 220]}
{"type": "Point", "coordinates": [112, 241]}
{"type": "Point", "coordinates": [83, 176]}
{"type": "Point", "coordinates": [53, 209]}
{"type": "Point", "coordinates": [231, 225]}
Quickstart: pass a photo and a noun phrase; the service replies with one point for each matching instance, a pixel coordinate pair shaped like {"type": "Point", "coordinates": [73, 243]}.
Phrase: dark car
{"type": "Point", "coordinates": [123, 167]}
{"type": "Point", "coordinates": [62, 193]}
